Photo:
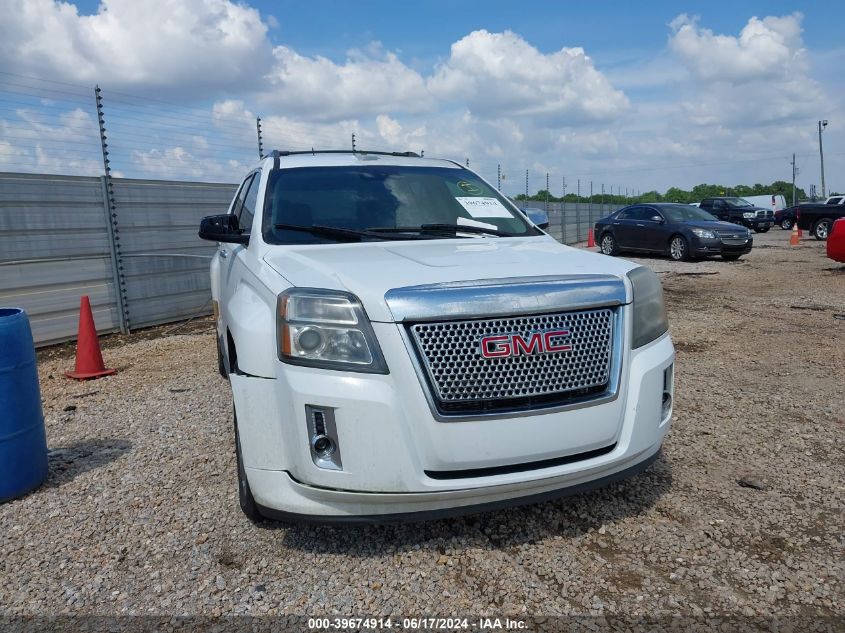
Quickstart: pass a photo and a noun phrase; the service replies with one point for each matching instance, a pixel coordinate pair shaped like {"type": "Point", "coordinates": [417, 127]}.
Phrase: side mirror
{"type": "Point", "coordinates": [657, 218]}
{"type": "Point", "coordinates": [222, 228]}
{"type": "Point", "coordinates": [539, 218]}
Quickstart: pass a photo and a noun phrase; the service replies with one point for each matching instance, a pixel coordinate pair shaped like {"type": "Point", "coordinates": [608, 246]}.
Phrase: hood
{"type": "Point", "coordinates": [370, 269]}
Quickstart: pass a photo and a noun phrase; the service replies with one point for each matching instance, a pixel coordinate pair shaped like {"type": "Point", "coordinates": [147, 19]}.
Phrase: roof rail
{"type": "Point", "coordinates": [276, 153]}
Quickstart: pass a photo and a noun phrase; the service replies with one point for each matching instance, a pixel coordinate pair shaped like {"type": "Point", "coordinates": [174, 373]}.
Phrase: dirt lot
{"type": "Point", "coordinates": [140, 515]}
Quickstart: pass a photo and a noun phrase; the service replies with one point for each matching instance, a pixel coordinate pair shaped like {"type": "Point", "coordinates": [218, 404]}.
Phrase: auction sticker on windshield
{"type": "Point", "coordinates": [482, 207]}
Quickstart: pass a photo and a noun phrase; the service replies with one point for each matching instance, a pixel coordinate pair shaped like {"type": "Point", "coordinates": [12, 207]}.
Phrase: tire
{"type": "Point", "coordinates": [766, 230]}
{"type": "Point", "coordinates": [731, 257]}
{"type": "Point", "coordinates": [608, 245]}
{"type": "Point", "coordinates": [786, 224]}
{"type": "Point", "coordinates": [221, 362]}
{"type": "Point", "coordinates": [245, 498]}
{"type": "Point", "coordinates": [821, 229]}
{"type": "Point", "coordinates": [679, 248]}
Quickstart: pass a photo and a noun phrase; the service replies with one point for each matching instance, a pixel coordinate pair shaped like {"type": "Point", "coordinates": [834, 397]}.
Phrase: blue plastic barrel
{"type": "Point", "coordinates": [23, 443]}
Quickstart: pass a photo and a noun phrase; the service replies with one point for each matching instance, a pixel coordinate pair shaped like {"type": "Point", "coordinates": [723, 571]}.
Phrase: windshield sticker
{"type": "Point", "coordinates": [483, 207]}
{"type": "Point", "coordinates": [481, 225]}
{"type": "Point", "coordinates": [470, 188]}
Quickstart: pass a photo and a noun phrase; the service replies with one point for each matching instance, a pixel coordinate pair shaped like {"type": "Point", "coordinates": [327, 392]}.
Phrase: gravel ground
{"type": "Point", "coordinates": [742, 515]}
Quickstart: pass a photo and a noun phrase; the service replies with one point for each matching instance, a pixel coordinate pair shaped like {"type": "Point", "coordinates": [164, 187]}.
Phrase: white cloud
{"type": "Point", "coordinates": [758, 77]}
{"type": "Point", "coordinates": [498, 74]}
{"type": "Point", "coordinates": [764, 49]}
{"type": "Point", "coordinates": [367, 82]}
{"type": "Point", "coordinates": [179, 163]}
{"type": "Point", "coordinates": [175, 46]}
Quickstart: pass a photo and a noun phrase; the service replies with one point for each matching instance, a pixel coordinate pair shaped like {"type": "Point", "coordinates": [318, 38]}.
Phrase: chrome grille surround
{"type": "Point", "coordinates": [459, 376]}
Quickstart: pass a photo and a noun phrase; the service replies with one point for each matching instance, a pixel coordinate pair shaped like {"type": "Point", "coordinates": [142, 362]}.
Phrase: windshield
{"type": "Point", "coordinates": [684, 213]}
{"type": "Point", "coordinates": [383, 197]}
{"type": "Point", "coordinates": [738, 202]}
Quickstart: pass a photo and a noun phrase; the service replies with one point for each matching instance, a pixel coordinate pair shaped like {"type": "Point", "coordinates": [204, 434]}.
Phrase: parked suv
{"type": "Point", "coordinates": [403, 343]}
{"type": "Point", "coordinates": [739, 211]}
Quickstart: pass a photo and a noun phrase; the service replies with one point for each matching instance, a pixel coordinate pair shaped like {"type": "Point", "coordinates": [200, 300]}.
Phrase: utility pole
{"type": "Point", "coordinates": [260, 142]}
{"type": "Point", "coordinates": [794, 173]}
{"type": "Point", "coordinates": [602, 194]}
{"type": "Point", "coordinates": [467, 163]}
{"type": "Point", "coordinates": [353, 141]}
{"type": "Point", "coordinates": [499, 177]}
{"type": "Point", "coordinates": [526, 184]}
{"type": "Point", "coordinates": [563, 183]}
{"type": "Point", "coordinates": [822, 126]}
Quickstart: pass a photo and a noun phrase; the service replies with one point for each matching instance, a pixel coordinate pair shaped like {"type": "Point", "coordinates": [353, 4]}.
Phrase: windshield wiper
{"type": "Point", "coordinates": [352, 235]}
{"type": "Point", "coordinates": [440, 228]}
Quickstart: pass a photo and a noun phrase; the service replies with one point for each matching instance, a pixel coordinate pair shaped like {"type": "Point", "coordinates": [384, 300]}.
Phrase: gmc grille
{"type": "Point", "coordinates": [463, 381]}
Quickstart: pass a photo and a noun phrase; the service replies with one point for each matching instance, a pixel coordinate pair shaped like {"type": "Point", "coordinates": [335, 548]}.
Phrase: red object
{"type": "Point", "coordinates": [795, 238]}
{"type": "Point", "coordinates": [836, 241]}
{"type": "Point", "coordinates": [591, 241]}
{"type": "Point", "coordinates": [89, 359]}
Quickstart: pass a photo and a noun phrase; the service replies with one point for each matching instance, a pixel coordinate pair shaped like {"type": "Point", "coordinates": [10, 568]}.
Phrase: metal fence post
{"type": "Point", "coordinates": [114, 258]}
{"type": "Point", "coordinates": [111, 221]}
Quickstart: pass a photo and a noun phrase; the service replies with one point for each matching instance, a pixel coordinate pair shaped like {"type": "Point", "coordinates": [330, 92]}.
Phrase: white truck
{"type": "Point", "coordinates": [403, 343]}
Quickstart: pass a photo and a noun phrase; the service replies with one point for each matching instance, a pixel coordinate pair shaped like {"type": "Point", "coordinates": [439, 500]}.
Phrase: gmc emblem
{"type": "Point", "coordinates": [505, 345]}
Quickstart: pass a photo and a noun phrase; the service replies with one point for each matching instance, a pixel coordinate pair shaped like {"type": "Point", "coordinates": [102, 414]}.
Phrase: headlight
{"type": "Point", "coordinates": [328, 329]}
{"type": "Point", "coordinates": [749, 215]}
{"type": "Point", "coordinates": [704, 233]}
{"type": "Point", "coordinates": [649, 318]}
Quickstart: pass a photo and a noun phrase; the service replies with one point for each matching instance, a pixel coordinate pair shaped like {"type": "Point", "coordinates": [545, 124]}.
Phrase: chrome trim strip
{"type": "Point", "coordinates": [609, 395]}
{"type": "Point", "coordinates": [508, 296]}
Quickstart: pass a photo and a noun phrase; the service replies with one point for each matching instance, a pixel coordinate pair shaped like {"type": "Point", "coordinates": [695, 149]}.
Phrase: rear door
{"type": "Point", "coordinates": [623, 226]}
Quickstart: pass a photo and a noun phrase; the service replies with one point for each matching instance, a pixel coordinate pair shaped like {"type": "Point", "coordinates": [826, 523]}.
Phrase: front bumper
{"type": "Point", "coordinates": [704, 247]}
{"type": "Point", "coordinates": [311, 503]}
{"type": "Point", "coordinates": [390, 441]}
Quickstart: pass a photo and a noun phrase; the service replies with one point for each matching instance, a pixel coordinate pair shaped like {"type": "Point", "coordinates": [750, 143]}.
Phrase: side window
{"type": "Point", "coordinates": [625, 214]}
{"type": "Point", "coordinates": [242, 192]}
{"type": "Point", "coordinates": [247, 211]}
{"type": "Point", "coordinates": [651, 214]}
{"type": "Point", "coordinates": [638, 213]}
{"type": "Point", "coordinates": [706, 204]}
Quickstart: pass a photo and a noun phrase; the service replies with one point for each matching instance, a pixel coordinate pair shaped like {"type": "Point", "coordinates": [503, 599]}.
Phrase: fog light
{"type": "Point", "coordinates": [322, 445]}
{"type": "Point", "coordinates": [323, 441]}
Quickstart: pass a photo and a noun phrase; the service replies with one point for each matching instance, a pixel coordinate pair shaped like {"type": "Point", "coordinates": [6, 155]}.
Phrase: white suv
{"type": "Point", "coordinates": [403, 343]}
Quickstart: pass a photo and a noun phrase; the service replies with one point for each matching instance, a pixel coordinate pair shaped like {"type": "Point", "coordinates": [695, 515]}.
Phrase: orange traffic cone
{"type": "Point", "coordinates": [591, 241]}
{"type": "Point", "coordinates": [89, 359]}
{"type": "Point", "coordinates": [795, 238]}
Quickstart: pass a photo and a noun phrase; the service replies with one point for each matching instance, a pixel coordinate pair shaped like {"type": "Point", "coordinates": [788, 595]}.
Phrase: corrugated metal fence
{"type": "Point", "coordinates": [56, 243]}
{"type": "Point", "coordinates": [145, 268]}
{"type": "Point", "coordinates": [570, 222]}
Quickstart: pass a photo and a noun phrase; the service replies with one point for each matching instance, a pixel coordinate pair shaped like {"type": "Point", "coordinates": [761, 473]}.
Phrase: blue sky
{"type": "Point", "coordinates": [644, 95]}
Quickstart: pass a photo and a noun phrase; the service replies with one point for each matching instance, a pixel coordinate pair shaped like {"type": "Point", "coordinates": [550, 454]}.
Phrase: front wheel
{"type": "Point", "coordinates": [608, 244]}
{"type": "Point", "coordinates": [731, 257]}
{"type": "Point", "coordinates": [786, 224]}
{"type": "Point", "coordinates": [679, 249]}
{"type": "Point", "coordinates": [822, 229]}
{"type": "Point", "coordinates": [247, 501]}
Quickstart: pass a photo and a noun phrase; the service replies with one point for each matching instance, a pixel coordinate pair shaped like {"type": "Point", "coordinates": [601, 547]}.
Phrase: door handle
{"type": "Point", "coordinates": [638, 224]}
{"type": "Point", "coordinates": [223, 253]}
